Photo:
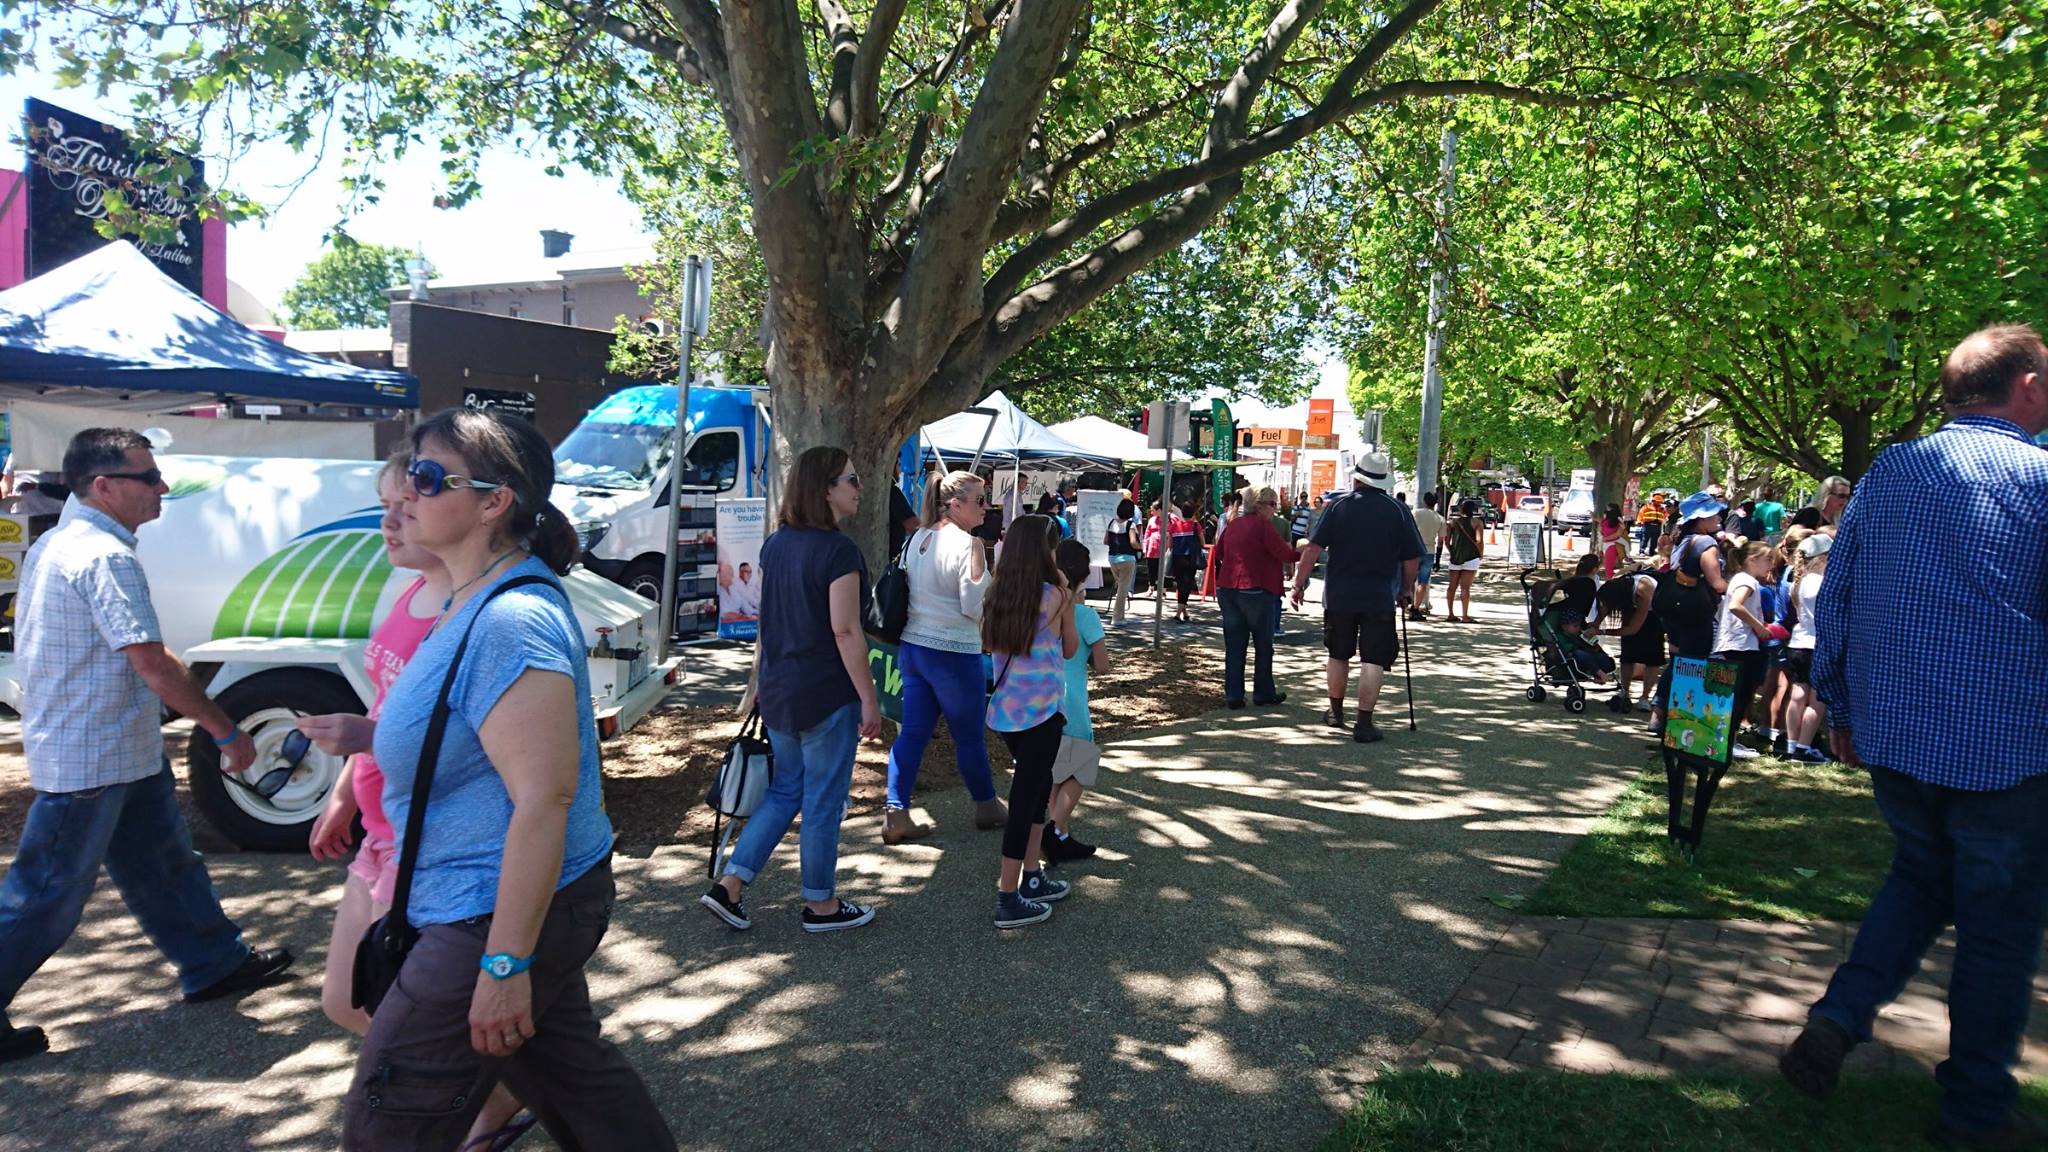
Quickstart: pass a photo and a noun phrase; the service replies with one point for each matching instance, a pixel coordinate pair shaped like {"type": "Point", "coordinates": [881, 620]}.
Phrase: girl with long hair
{"type": "Point", "coordinates": [1612, 532]}
{"type": "Point", "coordinates": [1740, 629]}
{"type": "Point", "coordinates": [940, 653]}
{"type": "Point", "coordinates": [813, 689]}
{"type": "Point", "coordinates": [1461, 538]}
{"type": "Point", "coordinates": [1121, 539]}
{"type": "Point", "coordinates": [1803, 709]}
{"type": "Point", "coordinates": [1027, 625]}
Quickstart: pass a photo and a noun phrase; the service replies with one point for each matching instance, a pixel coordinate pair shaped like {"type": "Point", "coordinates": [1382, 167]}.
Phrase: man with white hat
{"type": "Point", "coordinates": [1372, 543]}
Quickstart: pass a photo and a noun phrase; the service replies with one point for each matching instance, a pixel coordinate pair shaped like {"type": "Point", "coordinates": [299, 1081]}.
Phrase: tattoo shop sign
{"type": "Point", "coordinates": [74, 163]}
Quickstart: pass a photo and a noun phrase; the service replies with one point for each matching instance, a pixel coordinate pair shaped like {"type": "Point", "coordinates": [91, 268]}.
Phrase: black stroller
{"type": "Point", "coordinates": [1556, 654]}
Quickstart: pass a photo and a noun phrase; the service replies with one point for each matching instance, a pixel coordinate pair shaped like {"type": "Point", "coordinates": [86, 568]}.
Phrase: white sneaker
{"type": "Point", "coordinates": [1744, 752]}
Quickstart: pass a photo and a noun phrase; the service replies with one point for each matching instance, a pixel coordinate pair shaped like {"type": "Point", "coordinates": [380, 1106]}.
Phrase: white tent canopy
{"type": "Point", "coordinates": [1014, 441]}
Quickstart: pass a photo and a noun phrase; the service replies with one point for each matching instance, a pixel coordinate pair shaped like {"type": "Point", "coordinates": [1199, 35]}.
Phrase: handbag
{"type": "Point", "coordinates": [888, 609]}
{"type": "Point", "coordinates": [382, 950]}
{"type": "Point", "coordinates": [741, 782]}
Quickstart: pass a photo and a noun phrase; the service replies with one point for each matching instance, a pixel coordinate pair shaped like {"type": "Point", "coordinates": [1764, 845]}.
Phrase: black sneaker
{"type": "Point", "coordinates": [1071, 848]}
{"type": "Point", "coordinates": [1365, 733]}
{"type": "Point", "coordinates": [1036, 886]}
{"type": "Point", "coordinates": [1278, 699]}
{"type": "Point", "coordinates": [1813, 1064]}
{"type": "Point", "coordinates": [1333, 717]}
{"type": "Point", "coordinates": [1234, 705]}
{"type": "Point", "coordinates": [847, 915]}
{"type": "Point", "coordinates": [730, 909]}
{"type": "Point", "coordinates": [21, 1043]}
{"type": "Point", "coordinates": [1054, 849]}
{"type": "Point", "coordinates": [263, 966]}
{"type": "Point", "coordinates": [1014, 911]}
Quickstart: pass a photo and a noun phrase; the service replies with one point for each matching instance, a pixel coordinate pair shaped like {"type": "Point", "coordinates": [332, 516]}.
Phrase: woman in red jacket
{"type": "Point", "coordinates": [1250, 558]}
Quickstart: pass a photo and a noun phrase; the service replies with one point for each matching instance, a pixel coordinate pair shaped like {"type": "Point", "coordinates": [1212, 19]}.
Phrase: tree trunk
{"type": "Point", "coordinates": [1855, 424]}
{"type": "Point", "coordinates": [1614, 461]}
{"type": "Point", "coordinates": [812, 410]}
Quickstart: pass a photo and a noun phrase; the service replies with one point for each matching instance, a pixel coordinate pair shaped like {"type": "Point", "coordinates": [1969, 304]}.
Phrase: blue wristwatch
{"type": "Point", "coordinates": [504, 965]}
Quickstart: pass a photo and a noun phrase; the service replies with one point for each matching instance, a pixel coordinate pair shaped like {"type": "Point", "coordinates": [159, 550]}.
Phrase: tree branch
{"type": "Point", "coordinates": [937, 298]}
{"type": "Point", "coordinates": [867, 79]}
{"type": "Point", "coordinates": [599, 17]}
{"type": "Point", "coordinates": [704, 30]}
{"type": "Point", "coordinates": [845, 57]}
{"type": "Point", "coordinates": [1029, 210]}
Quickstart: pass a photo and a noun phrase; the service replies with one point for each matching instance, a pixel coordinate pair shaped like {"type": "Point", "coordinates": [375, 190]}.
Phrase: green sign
{"type": "Point", "coordinates": [888, 676]}
{"type": "Point", "coordinates": [1222, 446]}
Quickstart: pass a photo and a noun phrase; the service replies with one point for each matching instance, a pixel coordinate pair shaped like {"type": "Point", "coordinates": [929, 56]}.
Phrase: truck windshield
{"type": "Point", "coordinates": [613, 455]}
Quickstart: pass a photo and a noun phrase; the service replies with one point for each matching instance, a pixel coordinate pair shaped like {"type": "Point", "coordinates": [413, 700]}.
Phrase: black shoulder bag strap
{"type": "Point", "coordinates": [430, 755]}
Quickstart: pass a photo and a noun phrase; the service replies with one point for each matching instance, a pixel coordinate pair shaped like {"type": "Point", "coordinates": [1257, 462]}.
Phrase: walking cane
{"type": "Point", "coordinates": [1406, 673]}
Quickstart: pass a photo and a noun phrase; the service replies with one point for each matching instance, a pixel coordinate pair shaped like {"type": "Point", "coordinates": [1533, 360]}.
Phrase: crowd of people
{"type": "Point", "coordinates": [484, 871]}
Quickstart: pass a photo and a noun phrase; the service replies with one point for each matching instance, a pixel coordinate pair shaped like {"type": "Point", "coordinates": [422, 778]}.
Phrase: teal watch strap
{"type": "Point", "coordinates": [504, 965]}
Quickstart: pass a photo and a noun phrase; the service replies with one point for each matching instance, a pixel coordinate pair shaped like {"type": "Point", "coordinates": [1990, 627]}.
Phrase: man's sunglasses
{"type": "Point", "coordinates": [429, 478]}
{"type": "Point", "coordinates": [272, 782]}
{"type": "Point", "coordinates": [152, 477]}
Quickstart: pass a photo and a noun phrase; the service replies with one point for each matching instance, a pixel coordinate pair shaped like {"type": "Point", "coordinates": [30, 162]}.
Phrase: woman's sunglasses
{"type": "Point", "coordinates": [272, 782]}
{"type": "Point", "coordinates": [429, 478]}
{"type": "Point", "coordinates": [852, 478]}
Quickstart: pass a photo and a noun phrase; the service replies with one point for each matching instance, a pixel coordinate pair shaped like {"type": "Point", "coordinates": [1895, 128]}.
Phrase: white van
{"type": "Point", "coordinates": [267, 574]}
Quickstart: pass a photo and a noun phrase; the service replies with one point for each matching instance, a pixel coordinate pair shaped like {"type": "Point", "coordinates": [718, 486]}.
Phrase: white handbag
{"type": "Point", "coordinates": [741, 782]}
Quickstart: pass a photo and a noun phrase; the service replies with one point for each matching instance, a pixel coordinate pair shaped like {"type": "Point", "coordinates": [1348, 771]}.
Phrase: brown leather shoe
{"type": "Point", "coordinates": [990, 814]}
{"type": "Point", "coordinates": [898, 827]}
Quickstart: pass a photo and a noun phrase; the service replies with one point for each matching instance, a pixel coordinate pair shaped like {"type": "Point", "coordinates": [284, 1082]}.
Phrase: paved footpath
{"type": "Point", "coordinates": [1644, 996]}
{"type": "Point", "coordinates": [1276, 913]}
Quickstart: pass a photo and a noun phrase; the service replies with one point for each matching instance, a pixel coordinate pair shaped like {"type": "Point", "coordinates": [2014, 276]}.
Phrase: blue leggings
{"type": "Point", "coordinates": [938, 683]}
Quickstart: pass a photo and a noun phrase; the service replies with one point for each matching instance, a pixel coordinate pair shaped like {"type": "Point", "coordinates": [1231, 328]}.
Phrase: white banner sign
{"type": "Point", "coordinates": [742, 524]}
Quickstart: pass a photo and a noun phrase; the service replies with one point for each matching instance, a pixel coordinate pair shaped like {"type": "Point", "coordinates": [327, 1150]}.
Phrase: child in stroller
{"type": "Point", "coordinates": [1561, 647]}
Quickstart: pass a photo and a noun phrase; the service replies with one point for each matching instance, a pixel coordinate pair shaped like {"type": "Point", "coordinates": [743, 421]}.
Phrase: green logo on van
{"type": "Point", "coordinates": [322, 586]}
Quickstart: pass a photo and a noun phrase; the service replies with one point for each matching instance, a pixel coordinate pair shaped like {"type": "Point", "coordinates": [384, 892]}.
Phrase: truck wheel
{"type": "Point", "coordinates": [267, 706]}
{"type": "Point", "coordinates": [644, 576]}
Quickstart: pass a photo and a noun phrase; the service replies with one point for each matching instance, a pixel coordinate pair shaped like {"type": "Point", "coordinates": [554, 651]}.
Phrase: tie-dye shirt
{"type": "Point", "coordinates": [1031, 687]}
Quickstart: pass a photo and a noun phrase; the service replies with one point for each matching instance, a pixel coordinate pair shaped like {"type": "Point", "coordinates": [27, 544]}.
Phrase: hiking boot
{"type": "Point", "coordinates": [899, 828]}
{"type": "Point", "coordinates": [1035, 886]}
{"type": "Point", "coordinates": [2024, 1130]}
{"type": "Point", "coordinates": [990, 814]}
{"type": "Point", "coordinates": [1014, 911]}
{"type": "Point", "coordinates": [1365, 732]}
{"type": "Point", "coordinates": [731, 909]}
{"type": "Point", "coordinates": [847, 915]}
{"type": "Point", "coordinates": [261, 967]}
{"type": "Point", "coordinates": [1813, 1064]}
{"type": "Point", "coordinates": [21, 1043]}
{"type": "Point", "coordinates": [1333, 717]}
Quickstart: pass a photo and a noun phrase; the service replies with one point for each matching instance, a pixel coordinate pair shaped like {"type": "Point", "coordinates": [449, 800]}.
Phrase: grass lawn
{"type": "Point", "coordinates": [1429, 1111]}
{"type": "Point", "coordinates": [1783, 841]}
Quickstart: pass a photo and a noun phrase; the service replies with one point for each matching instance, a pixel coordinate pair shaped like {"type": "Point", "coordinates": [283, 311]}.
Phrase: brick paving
{"type": "Point", "coordinates": [1653, 996]}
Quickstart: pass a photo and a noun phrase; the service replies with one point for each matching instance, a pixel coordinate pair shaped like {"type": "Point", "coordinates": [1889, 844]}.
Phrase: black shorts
{"type": "Point", "coordinates": [1798, 664]}
{"type": "Point", "coordinates": [1646, 647]}
{"type": "Point", "coordinates": [1367, 635]}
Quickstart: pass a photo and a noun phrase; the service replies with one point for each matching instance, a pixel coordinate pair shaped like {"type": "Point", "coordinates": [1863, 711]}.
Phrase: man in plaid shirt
{"type": "Point", "coordinates": [1933, 663]}
{"type": "Point", "coordinates": [95, 677]}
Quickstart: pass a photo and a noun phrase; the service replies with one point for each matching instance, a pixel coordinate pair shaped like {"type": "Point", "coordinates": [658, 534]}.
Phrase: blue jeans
{"type": "Point", "coordinates": [1248, 614]}
{"type": "Point", "coordinates": [1978, 860]}
{"type": "Point", "coordinates": [949, 684]}
{"type": "Point", "coordinates": [813, 774]}
{"type": "Point", "coordinates": [136, 831]}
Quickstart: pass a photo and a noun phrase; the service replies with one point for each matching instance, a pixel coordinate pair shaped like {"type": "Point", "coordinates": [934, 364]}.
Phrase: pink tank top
{"type": "Point", "coordinates": [391, 645]}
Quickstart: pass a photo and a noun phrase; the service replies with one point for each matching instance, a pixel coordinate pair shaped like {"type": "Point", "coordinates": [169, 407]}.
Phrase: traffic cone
{"type": "Point", "coordinates": [1571, 543]}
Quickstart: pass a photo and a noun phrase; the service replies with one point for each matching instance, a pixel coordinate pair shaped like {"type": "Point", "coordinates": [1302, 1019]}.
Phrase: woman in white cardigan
{"type": "Point", "coordinates": [940, 655]}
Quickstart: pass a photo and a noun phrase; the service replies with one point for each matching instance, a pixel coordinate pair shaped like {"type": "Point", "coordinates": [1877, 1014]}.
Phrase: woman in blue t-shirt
{"type": "Point", "coordinates": [816, 696]}
{"type": "Point", "coordinates": [512, 888]}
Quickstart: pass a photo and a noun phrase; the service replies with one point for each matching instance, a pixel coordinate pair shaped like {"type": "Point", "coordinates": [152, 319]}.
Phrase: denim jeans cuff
{"type": "Point", "coordinates": [1840, 1019]}
{"type": "Point", "coordinates": [816, 894]}
{"type": "Point", "coordinates": [746, 874]}
{"type": "Point", "coordinates": [214, 973]}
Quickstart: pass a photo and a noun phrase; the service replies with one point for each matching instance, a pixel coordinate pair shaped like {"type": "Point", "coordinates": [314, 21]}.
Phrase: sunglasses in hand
{"type": "Point", "coordinates": [272, 782]}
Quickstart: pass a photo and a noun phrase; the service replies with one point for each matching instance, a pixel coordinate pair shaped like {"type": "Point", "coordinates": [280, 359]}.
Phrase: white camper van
{"type": "Point", "coordinates": [267, 575]}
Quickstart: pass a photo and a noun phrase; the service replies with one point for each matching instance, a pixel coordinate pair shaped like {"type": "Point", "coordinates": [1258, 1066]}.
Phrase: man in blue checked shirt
{"type": "Point", "coordinates": [1933, 663]}
{"type": "Point", "coordinates": [95, 678]}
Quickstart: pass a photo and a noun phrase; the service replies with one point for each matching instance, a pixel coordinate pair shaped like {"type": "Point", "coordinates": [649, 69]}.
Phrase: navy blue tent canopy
{"type": "Point", "coordinates": [111, 330]}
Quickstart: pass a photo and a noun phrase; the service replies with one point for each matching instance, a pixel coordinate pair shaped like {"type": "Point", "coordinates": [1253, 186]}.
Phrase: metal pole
{"type": "Point", "coordinates": [675, 460]}
{"type": "Point", "coordinates": [1427, 451]}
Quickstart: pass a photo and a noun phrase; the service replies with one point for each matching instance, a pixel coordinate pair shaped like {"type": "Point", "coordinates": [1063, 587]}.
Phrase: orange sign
{"type": "Point", "coordinates": [1322, 417]}
{"type": "Point", "coordinates": [1273, 437]}
{"type": "Point", "coordinates": [1287, 457]}
{"type": "Point", "coordinates": [1322, 476]}
{"type": "Point", "coordinates": [1325, 441]}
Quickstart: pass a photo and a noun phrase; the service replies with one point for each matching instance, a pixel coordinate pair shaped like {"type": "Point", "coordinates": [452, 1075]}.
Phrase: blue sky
{"type": "Point", "coordinates": [265, 256]}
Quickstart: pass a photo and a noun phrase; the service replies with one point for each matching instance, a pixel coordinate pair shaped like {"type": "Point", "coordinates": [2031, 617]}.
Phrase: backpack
{"type": "Point", "coordinates": [888, 609]}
